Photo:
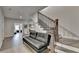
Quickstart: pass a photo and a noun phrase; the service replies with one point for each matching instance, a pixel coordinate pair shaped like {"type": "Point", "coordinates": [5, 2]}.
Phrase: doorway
{"type": "Point", "coordinates": [18, 28]}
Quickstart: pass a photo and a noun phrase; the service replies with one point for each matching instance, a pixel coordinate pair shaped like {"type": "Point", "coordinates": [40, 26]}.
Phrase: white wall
{"type": "Point", "coordinates": [1, 27]}
{"type": "Point", "coordinates": [68, 16]}
{"type": "Point", "coordinates": [9, 26]}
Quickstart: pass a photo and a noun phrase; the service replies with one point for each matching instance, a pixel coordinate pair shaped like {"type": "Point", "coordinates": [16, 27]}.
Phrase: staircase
{"type": "Point", "coordinates": [64, 41]}
{"type": "Point", "coordinates": [67, 45]}
{"type": "Point", "coordinates": [42, 24]}
{"type": "Point", "coordinates": [40, 29]}
{"type": "Point", "coordinates": [68, 42]}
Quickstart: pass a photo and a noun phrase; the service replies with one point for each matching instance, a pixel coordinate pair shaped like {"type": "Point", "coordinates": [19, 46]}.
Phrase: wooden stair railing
{"type": "Point", "coordinates": [46, 17]}
{"type": "Point", "coordinates": [55, 30]}
{"type": "Point", "coordinates": [56, 35]}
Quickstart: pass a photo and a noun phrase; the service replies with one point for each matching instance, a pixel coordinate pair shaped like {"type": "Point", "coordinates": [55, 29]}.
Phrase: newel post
{"type": "Point", "coordinates": [56, 30]}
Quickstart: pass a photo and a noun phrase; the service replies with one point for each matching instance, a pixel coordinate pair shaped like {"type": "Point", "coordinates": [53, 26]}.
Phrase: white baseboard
{"type": "Point", "coordinates": [72, 38]}
{"type": "Point", "coordinates": [8, 36]}
{"type": "Point", "coordinates": [59, 51]}
{"type": "Point", "coordinates": [67, 47]}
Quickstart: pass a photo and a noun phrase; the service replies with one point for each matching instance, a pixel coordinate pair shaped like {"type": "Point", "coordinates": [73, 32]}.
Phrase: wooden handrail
{"type": "Point", "coordinates": [55, 29]}
{"type": "Point", "coordinates": [42, 8]}
{"type": "Point", "coordinates": [46, 17]}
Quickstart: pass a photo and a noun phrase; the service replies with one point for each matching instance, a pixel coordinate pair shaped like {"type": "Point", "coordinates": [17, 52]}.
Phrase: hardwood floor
{"type": "Point", "coordinates": [14, 45]}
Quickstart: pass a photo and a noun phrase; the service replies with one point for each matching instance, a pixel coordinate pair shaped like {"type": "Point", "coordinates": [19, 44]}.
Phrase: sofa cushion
{"type": "Point", "coordinates": [42, 37]}
{"type": "Point", "coordinates": [32, 34]}
{"type": "Point", "coordinates": [35, 43]}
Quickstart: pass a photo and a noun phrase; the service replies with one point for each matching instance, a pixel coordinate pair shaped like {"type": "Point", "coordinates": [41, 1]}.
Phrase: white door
{"type": "Point", "coordinates": [18, 27]}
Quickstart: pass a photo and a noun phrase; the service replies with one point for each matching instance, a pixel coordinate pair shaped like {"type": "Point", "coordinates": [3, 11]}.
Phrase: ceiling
{"type": "Point", "coordinates": [20, 12]}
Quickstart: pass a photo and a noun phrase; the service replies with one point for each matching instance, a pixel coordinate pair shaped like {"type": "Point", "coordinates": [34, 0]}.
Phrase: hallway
{"type": "Point", "coordinates": [14, 45]}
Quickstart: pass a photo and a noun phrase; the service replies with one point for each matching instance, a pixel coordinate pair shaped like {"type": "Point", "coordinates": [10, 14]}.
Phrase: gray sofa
{"type": "Point", "coordinates": [38, 41]}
